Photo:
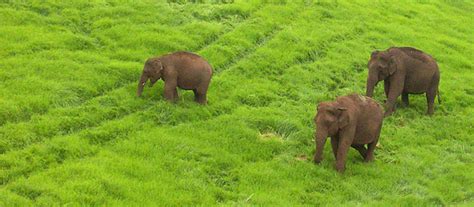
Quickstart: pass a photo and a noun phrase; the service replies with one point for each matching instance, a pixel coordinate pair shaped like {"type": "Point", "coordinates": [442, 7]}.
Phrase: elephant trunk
{"type": "Point", "coordinates": [320, 139]}
{"type": "Point", "coordinates": [371, 82]}
{"type": "Point", "coordinates": [141, 84]}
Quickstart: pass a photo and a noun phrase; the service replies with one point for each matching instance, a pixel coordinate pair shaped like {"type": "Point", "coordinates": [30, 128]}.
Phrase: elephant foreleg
{"type": "Point", "coordinates": [396, 88]}
{"type": "Point", "coordinates": [386, 87]}
{"type": "Point", "coordinates": [345, 140]}
{"type": "Point", "coordinates": [175, 94]}
{"type": "Point", "coordinates": [334, 145]}
{"type": "Point", "coordinates": [171, 93]}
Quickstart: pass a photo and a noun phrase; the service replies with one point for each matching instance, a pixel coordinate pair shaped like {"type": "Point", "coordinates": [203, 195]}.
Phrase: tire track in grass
{"type": "Point", "coordinates": [41, 156]}
{"type": "Point", "coordinates": [27, 151]}
{"type": "Point", "coordinates": [124, 81]}
{"type": "Point", "coordinates": [15, 172]}
{"type": "Point", "coordinates": [100, 136]}
{"type": "Point", "coordinates": [12, 132]}
{"type": "Point", "coordinates": [20, 108]}
{"type": "Point", "coordinates": [66, 153]}
{"type": "Point", "coordinates": [86, 134]}
{"type": "Point", "coordinates": [205, 43]}
{"type": "Point", "coordinates": [61, 151]}
{"type": "Point", "coordinates": [26, 116]}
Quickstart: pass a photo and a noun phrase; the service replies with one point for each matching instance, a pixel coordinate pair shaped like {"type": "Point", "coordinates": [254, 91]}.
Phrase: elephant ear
{"type": "Point", "coordinates": [374, 53]}
{"type": "Point", "coordinates": [393, 65]}
{"type": "Point", "coordinates": [343, 118]}
{"type": "Point", "coordinates": [156, 65]}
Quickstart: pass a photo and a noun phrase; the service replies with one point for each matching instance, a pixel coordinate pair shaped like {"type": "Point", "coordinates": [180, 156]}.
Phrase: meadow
{"type": "Point", "coordinates": [73, 132]}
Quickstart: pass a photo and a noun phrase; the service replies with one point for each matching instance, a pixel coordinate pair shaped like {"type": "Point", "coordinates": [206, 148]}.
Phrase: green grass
{"type": "Point", "coordinates": [73, 132]}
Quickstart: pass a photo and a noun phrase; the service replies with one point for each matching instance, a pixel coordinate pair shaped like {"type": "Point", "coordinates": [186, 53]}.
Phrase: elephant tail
{"type": "Point", "coordinates": [439, 97]}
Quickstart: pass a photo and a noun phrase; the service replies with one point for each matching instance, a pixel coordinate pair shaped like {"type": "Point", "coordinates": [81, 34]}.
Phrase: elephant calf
{"type": "Point", "coordinates": [404, 70]}
{"type": "Point", "coordinates": [180, 69]}
{"type": "Point", "coordinates": [352, 120]}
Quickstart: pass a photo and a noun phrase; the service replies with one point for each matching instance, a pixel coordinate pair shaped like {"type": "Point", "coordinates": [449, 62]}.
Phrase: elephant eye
{"type": "Point", "coordinates": [382, 71]}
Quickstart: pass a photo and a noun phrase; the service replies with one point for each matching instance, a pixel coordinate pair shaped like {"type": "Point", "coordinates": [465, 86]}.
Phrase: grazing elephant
{"type": "Point", "coordinates": [180, 69]}
{"type": "Point", "coordinates": [404, 70]}
{"type": "Point", "coordinates": [350, 121]}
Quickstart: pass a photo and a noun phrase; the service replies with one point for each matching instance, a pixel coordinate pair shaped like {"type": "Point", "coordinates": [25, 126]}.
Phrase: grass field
{"type": "Point", "coordinates": [72, 130]}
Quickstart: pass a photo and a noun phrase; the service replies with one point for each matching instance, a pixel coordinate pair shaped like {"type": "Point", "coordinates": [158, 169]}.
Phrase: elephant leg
{"type": "Point", "coordinates": [345, 140]}
{"type": "Point", "coordinates": [200, 95]}
{"type": "Point", "coordinates": [390, 105]}
{"type": "Point", "coordinates": [342, 150]}
{"type": "Point", "coordinates": [430, 97]}
{"type": "Point", "coordinates": [361, 148]}
{"type": "Point", "coordinates": [334, 145]}
{"type": "Point", "coordinates": [201, 98]}
{"type": "Point", "coordinates": [386, 87]}
{"type": "Point", "coordinates": [195, 95]}
{"type": "Point", "coordinates": [175, 93]}
{"type": "Point", "coordinates": [431, 94]}
{"type": "Point", "coordinates": [405, 99]}
{"type": "Point", "coordinates": [370, 151]}
{"type": "Point", "coordinates": [396, 88]}
{"type": "Point", "coordinates": [170, 91]}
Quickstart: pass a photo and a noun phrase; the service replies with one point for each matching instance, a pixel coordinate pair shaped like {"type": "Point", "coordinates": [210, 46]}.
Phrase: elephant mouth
{"type": "Point", "coordinates": [152, 82]}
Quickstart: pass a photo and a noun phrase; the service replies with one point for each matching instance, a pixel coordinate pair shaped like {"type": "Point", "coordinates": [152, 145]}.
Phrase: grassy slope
{"type": "Point", "coordinates": [71, 129]}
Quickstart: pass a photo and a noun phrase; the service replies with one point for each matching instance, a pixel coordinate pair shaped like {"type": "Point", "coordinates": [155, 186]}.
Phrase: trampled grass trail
{"type": "Point", "coordinates": [73, 132]}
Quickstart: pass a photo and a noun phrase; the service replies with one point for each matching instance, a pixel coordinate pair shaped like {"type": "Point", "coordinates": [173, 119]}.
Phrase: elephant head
{"type": "Point", "coordinates": [330, 118]}
{"type": "Point", "coordinates": [381, 65]}
{"type": "Point", "coordinates": [151, 71]}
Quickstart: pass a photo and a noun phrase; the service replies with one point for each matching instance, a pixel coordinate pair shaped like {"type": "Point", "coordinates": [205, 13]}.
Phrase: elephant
{"type": "Point", "coordinates": [351, 121]}
{"type": "Point", "coordinates": [185, 70]}
{"type": "Point", "coordinates": [404, 70]}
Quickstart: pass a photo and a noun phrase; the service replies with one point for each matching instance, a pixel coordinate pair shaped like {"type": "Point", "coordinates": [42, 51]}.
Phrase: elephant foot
{"type": "Point", "coordinates": [340, 169]}
{"type": "Point", "coordinates": [316, 161]}
{"type": "Point", "coordinates": [173, 101]}
{"type": "Point", "coordinates": [430, 113]}
{"type": "Point", "coordinates": [201, 102]}
{"type": "Point", "coordinates": [369, 159]}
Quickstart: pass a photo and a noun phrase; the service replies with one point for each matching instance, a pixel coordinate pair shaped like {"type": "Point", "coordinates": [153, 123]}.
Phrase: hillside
{"type": "Point", "coordinates": [72, 130]}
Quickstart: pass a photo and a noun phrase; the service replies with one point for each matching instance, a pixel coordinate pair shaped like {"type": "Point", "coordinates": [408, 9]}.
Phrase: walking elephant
{"type": "Point", "coordinates": [404, 70]}
{"type": "Point", "coordinates": [180, 69]}
{"type": "Point", "coordinates": [350, 121]}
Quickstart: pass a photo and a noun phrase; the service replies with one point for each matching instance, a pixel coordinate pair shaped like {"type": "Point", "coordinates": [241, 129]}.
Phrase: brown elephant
{"type": "Point", "coordinates": [180, 69]}
{"type": "Point", "coordinates": [404, 70]}
{"type": "Point", "coordinates": [352, 120]}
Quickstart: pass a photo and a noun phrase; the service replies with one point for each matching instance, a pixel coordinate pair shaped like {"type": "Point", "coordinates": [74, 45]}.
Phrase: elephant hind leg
{"type": "Point", "coordinates": [200, 95]}
{"type": "Point", "coordinates": [430, 97]}
{"type": "Point", "coordinates": [405, 99]}
{"type": "Point", "coordinates": [431, 93]}
{"type": "Point", "coordinates": [361, 148]}
{"type": "Point", "coordinates": [370, 151]}
{"type": "Point", "coordinates": [195, 95]}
